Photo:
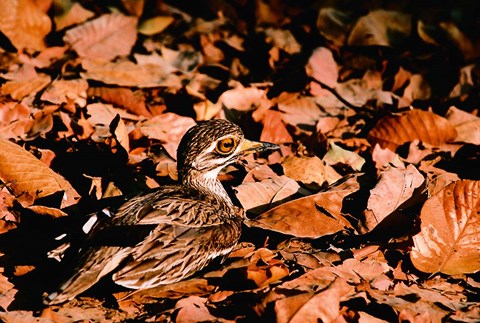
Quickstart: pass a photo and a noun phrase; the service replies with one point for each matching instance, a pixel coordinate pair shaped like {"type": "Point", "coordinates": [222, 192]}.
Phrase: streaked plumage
{"type": "Point", "coordinates": [179, 229]}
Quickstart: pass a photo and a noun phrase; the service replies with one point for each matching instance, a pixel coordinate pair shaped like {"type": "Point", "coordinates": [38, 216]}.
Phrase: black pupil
{"type": "Point", "coordinates": [226, 144]}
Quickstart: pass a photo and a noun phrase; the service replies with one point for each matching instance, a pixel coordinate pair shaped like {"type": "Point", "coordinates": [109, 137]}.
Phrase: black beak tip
{"type": "Point", "coordinates": [269, 146]}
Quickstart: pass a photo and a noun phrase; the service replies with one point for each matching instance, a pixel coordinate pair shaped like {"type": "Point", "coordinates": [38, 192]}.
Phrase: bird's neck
{"type": "Point", "coordinates": [208, 185]}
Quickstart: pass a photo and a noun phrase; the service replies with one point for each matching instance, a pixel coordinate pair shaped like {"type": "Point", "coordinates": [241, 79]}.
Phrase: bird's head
{"type": "Point", "coordinates": [211, 145]}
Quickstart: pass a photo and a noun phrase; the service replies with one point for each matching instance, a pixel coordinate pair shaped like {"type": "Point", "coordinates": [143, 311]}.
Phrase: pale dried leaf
{"type": "Point", "coordinates": [61, 91]}
{"type": "Point", "coordinates": [104, 38]}
{"type": "Point", "coordinates": [127, 73]}
{"type": "Point", "coordinates": [192, 309]}
{"type": "Point", "coordinates": [311, 216]}
{"type": "Point", "coordinates": [73, 15]}
{"type": "Point", "coordinates": [30, 177]}
{"type": "Point", "coordinates": [321, 307]}
{"type": "Point", "coordinates": [322, 66]}
{"type": "Point", "coordinates": [24, 23]}
{"type": "Point", "coordinates": [101, 116]}
{"type": "Point", "coordinates": [168, 128]}
{"type": "Point", "coordinates": [396, 184]}
{"type": "Point", "coordinates": [467, 125]}
{"type": "Point", "coordinates": [310, 171]}
{"type": "Point", "coordinates": [267, 193]}
{"type": "Point", "coordinates": [449, 238]}
{"type": "Point", "coordinates": [22, 87]}
{"type": "Point", "coordinates": [301, 111]}
{"type": "Point", "coordinates": [337, 155]}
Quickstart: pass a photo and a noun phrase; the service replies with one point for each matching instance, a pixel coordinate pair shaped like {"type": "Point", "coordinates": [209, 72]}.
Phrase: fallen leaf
{"type": "Point", "coordinates": [393, 131]}
{"type": "Point", "coordinates": [274, 129]}
{"type": "Point", "coordinates": [311, 171]}
{"type": "Point", "coordinates": [396, 184]}
{"type": "Point", "coordinates": [322, 66]}
{"type": "Point", "coordinates": [192, 310]}
{"type": "Point", "coordinates": [24, 24]}
{"type": "Point", "coordinates": [123, 97]}
{"type": "Point", "coordinates": [311, 216]}
{"type": "Point", "coordinates": [60, 91]}
{"type": "Point", "coordinates": [103, 38]}
{"type": "Point", "coordinates": [260, 196]}
{"type": "Point", "coordinates": [323, 306]}
{"type": "Point", "coordinates": [168, 128]}
{"type": "Point", "coordinates": [337, 155]}
{"type": "Point", "coordinates": [30, 177]}
{"type": "Point", "coordinates": [71, 14]}
{"type": "Point", "coordinates": [448, 241]}
{"type": "Point", "coordinates": [127, 73]}
{"type": "Point", "coordinates": [466, 124]}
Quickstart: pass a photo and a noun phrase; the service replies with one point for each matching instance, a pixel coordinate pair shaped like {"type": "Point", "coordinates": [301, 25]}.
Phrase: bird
{"type": "Point", "coordinates": [171, 233]}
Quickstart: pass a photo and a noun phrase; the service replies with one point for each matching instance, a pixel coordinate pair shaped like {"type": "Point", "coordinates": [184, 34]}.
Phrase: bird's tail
{"type": "Point", "coordinates": [93, 266]}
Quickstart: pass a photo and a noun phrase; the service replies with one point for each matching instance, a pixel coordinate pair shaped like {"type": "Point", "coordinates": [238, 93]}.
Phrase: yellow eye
{"type": "Point", "coordinates": [226, 146]}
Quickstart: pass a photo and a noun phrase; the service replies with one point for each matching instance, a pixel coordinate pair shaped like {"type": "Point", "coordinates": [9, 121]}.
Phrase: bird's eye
{"type": "Point", "coordinates": [225, 146]}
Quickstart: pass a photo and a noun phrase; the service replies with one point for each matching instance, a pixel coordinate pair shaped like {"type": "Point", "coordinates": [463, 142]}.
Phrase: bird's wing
{"type": "Point", "coordinates": [171, 205]}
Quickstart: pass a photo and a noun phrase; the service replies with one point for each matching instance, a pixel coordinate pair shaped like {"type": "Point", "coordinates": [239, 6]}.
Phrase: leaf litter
{"type": "Point", "coordinates": [369, 212]}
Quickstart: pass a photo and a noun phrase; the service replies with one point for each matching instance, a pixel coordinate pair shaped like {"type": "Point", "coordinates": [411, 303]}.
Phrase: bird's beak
{"type": "Point", "coordinates": [249, 147]}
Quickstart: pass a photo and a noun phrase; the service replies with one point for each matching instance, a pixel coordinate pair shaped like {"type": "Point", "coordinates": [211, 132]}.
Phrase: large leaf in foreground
{"type": "Point", "coordinates": [393, 131]}
{"type": "Point", "coordinates": [29, 178]}
{"type": "Point", "coordinates": [449, 240]}
{"type": "Point", "coordinates": [312, 216]}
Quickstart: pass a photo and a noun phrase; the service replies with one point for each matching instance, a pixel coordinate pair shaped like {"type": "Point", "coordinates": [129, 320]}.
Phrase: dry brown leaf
{"type": "Point", "coordinates": [398, 184]}
{"type": "Point", "coordinates": [242, 99]}
{"type": "Point", "coordinates": [274, 129]}
{"type": "Point", "coordinates": [311, 216]}
{"type": "Point", "coordinates": [127, 73]}
{"type": "Point", "coordinates": [321, 307]}
{"type": "Point", "coordinates": [24, 23]}
{"type": "Point", "coordinates": [25, 85]}
{"type": "Point", "coordinates": [466, 124]}
{"type": "Point", "coordinates": [322, 67]}
{"type": "Point", "coordinates": [283, 39]}
{"type": "Point", "coordinates": [381, 28]}
{"type": "Point", "coordinates": [192, 309]}
{"type": "Point", "coordinates": [410, 309]}
{"type": "Point", "coordinates": [168, 128]}
{"type": "Point", "coordinates": [29, 177]}
{"type": "Point", "coordinates": [393, 131]}
{"type": "Point", "coordinates": [264, 275]}
{"type": "Point", "coordinates": [7, 293]}
{"type": "Point", "coordinates": [301, 111]}
{"type": "Point", "coordinates": [263, 195]}
{"type": "Point", "coordinates": [124, 97]}
{"type": "Point", "coordinates": [14, 119]}
{"type": "Point", "coordinates": [74, 14]}
{"type": "Point", "coordinates": [417, 89]}
{"type": "Point", "coordinates": [61, 91]}
{"type": "Point", "coordinates": [337, 155]}
{"type": "Point", "coordinates": [104, 38]}
{"type": "Point", "coordinates": [101, 117]}
{"type": "Point", "coordinates": [449, 238]}
{"type": "Point", "coordinates": [437, 178]}
{"type": "Point", "coordinates": [310, 171]}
